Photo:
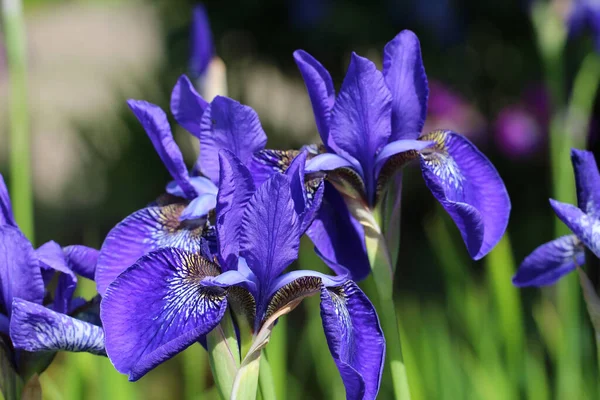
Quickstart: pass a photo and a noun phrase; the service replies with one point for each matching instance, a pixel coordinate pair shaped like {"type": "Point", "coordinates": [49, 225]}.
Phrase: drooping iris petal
{"type": "Point", "coordinates": [320, 91]}
{"type": "Point", "coordinates": [587, 178]}
{"type": "Point", "coordinates": [52, 256]}
{"type": "Point", "coordinates": [361, 117]}
{"type": "Point", "coordinates": [82, 260]}
{"type": "Point", "coordinates": [6, 214]}
{"type": "Point", "coordinates": [229, 125]}
{"type": "Point", "coordinates": [339, 237]}
{"type": "Point", "coordinates": [355, 339]}
{"type": "Point", "coordinates": [157, 308]}
{"type": "Point", "coordinates": [236, 188]}
{"type": "Point", "coordinates": [405, 77]}
{"type": "Point", "coordinates": [154, 120]}
{"type": "Point", "coordinates": [550, 262]}
{"type": "Point", "coordinates": [584, 226]}
{"type": "Point", "coordinates": [143, 231]}
{"type": "Point", "coordinates": [202, 47]}
{"type": "Point", "coordinates": [267, 162]}
{"type": "Point", "coordinates": [187, 105]}
{"type": "Point", "coordinates": [469, 188]}
{"type": "Point", "coordinates": [34, 328]}
{"type": "Point", "coordinates": [20, 274]}
{"type": "Point", "coordinates": [199, 207]}
{"type": "Point", "coordinates": [270, 236]}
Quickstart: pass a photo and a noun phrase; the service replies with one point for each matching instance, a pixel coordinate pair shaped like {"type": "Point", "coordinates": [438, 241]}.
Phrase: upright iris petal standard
{"type": "Point", "coordinates": [171, 298]}
{"type": "Point", "coordinates": [35, 320]}
{"type": "Point", "coordinates": [549, 262]}
{"type": "Point", "coordinates": [373, 128]}
{"type": "Point", "coordinates": [181, 220]}
{"type": "Point", "coordinates": [202, 47]}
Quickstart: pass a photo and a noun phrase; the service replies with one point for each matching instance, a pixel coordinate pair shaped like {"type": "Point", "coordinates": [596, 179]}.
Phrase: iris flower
{"type": "Point", "coordinates": [171, 297]}
{"type": "Point", "coordinates": [372, 128]}
{"type": "Point", "coordinates": [552, 260]}
{"type": "Point", "coordinates": [202, 49]}
{"type": "Point", "coordinates": [35, 320]}
{"type": "Point", "coordinates": [181, 218]}
{"type": "Point", "coordinates": [585, 14]}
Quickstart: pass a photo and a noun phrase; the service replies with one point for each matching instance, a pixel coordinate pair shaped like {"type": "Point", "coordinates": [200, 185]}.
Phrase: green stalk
{"type": "Point", "coordinates": [224, 355]}
{"type": "Point", "coordinates": [195, 365]}
{"type": "Point", "coordinates": [381, 265]}
{"type": "Point", "coordinates": [266, 381]}
{"type": "Point", "coordinates": [20, 157]}
{"type": "Point", "coordinates": [277, 353]}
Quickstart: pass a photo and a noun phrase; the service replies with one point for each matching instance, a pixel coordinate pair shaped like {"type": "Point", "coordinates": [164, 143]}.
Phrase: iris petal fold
{"type": "Point", "coordinates": [159, 307]}
{"type": "Point", "coordinates": [587, 178]}
{"type": "Point", "coordinates": [549, 262]}
{"type": "Point", "coordinates": [355, 339]}
{"type": "Point", "coordinates": [143, 231]}
{"type": "Point", "coordinates": [405, 77]}
{"type": "Point", "coordinates": [227, 124]}
{"type": "Point", "coordinates": [187, 105]}
{"type": "Point", "coordinates": [469, 188]}
{"type": "Point", "coordinates": [82, 260]}
{"type": "Point", "coordinates": [584, 226]}
{"type": "Point", "coordinates": [36, 328]}
{"type": "Point", "coordinates": [154, 120]}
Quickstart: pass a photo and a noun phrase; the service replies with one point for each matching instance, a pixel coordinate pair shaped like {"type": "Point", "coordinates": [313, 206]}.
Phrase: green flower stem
{"type": "Point", "coordinates": [381, 265]}
{"type": "Point", "coordinates": [266, 381]}
{"type": "Point", "coordinates": [224, 355]}
{"type": "Point", "coordinates": [20, 157]}
{"type": "Point", "coordinates": [277, 353]}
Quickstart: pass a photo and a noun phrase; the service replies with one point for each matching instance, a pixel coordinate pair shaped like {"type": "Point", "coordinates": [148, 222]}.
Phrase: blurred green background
{"type": "Point", "coordinates": [467, 332]}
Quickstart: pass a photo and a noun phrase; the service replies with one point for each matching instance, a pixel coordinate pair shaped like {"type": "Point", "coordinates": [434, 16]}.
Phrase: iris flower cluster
{"type": "Point", "coordinates": [216, 248]}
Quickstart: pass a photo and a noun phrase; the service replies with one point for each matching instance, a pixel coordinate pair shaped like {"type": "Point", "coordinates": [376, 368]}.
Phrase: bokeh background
{"type": "Point", "coordinates": [467, 332]}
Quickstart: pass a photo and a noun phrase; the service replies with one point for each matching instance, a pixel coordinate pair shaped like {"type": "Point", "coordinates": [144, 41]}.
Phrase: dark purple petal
{"type": "Point", "coordinates": [235, 189]}
{"type": "Point", "coordinates": [355, 339]}
{"type": "Point", "coordinates": [550, 262]}
{"type": "Point", "coordinates": [405, 77]}
{"type": "Point", "coordinates": [20, 274]}
{"type": "Point", "coordinates": [33, 328]}
{"type": "Point", "coordinates": [320, 90]}
{"type": "Point", "coordinates": [53, 258]}
{"type": "Point", "coordinates": [154, 120]}
{"type": "Point", "coordinates": [587, 179]}
{"type": "Point", "coordinates": [584, 226]}
{"type": "Point", "coordinates": [82, 260]}
{"type": "Point", "coordinates": [6, 213]}
{"type": "Point", "coordinates": [469, 188]}
{"type": "Point", "coordinates": [4, 325]}
{"type": "Point", "coordinates": [143, 231]}
{"type": "Point", "coordinates": [157, 308]}
{"type": "Point", "coordinates": [199, 207]}
{"type": "Point", "coordinates": [270, 236]}
{"type": "Point", "coordinates": [361, 116]}
{"type": "Point", "coordinates": [202, 47]}
{"type": "Point", "coordinates": [187, 105]}
{"type": "Point", "coordinates": [339, 237]}
{"type": "Point", "coordinates": [229, 125]}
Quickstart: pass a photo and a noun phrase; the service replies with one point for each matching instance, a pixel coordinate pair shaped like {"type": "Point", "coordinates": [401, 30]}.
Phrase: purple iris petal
{"type": "Point", "coordinates": [34, 327]}
{"type": "Point", "coordinates": [339, 237]}
{"type": "Point", "coordinates": [330, 162]}
{"type": "Point", "coordinates": [405, 77]}
{"type": "Point", "coordinates": [584, 226]}
{"type": "Point", "coordinates": [199, 207]}
{"type": "Point", "coordinates": [202, 47]}
{"type": "Point", "coordinates": [157, 308]}
{"type": "Point", "coordinates": [233, 278]}
{"type": "Point", "coordinates": [585, 14]}
{"type": "Point", "coordinates": [52, 256]}
{"type": "Point", "coordinates": [6, 214]}
{"type": "Point", "coordinates": [355, 339]}
{"type": "Point", "coordinates": [201, 184]}
{"type": "Point", "coordinates": [236, 188]}
{"type": "Point", "coordinates": [287, 278]}
{"type": "Point", "coordinates": [361, 116]}
{"type": "Point", "coordinates": [320, 90]}
{"type": "Point", "coordinates": [154, 120]}
{"type": "Point", "coordinates": [82, 260]}
{"type": "Point", "coordinates": [187, 105]}
{"type": "Point", "coordinates": [20, 274]}
{"type": "Point", "coordinates": [4, 325]}
{"type": "Point", "coordinates": [399, 146]}
{"type": "Point", "coordinates": [227, 124]}
{"type": "Point", "coordinates": [550, 262]}
{"type": "Point", "coordinates": [469, 188]}
{"type": "Point", "coordinates": [588, 181]}
{"type": "Point", "coordinates": [143, 231]}
{"type": "Point", "coordinates": [270, 236]}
